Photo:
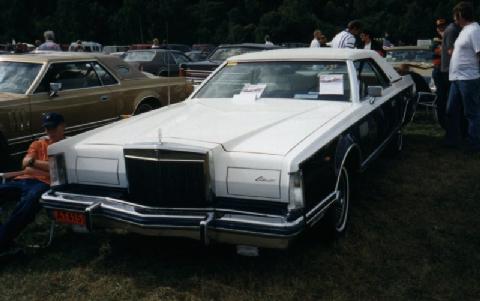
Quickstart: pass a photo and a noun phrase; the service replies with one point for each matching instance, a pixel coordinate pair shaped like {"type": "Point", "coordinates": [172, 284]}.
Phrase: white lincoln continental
{"type": "Point", "coordinates": [264, 149]}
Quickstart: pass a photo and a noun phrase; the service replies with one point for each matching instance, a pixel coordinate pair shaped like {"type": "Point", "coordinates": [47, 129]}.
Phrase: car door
{"type": "Point", "coordinates": [381, 113]}
{"type": "Point", "coordinates": [83, 101]}
{"type": "Point", "coordinates": [179, 59]}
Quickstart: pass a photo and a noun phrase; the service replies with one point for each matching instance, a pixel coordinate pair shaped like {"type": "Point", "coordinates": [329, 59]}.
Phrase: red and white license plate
{"type": "Point", "coordinates": [71, 218]}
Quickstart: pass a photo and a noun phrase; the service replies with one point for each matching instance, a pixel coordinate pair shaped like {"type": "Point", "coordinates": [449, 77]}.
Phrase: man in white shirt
{"type": "Point", "coordinates": [316, 39]}
{"type": "Point", "coordinates": [464, 75]}
{"type": "Point", "coordinates": [346, 38]}
{"type": "Point", "coordinates": [267, 41]}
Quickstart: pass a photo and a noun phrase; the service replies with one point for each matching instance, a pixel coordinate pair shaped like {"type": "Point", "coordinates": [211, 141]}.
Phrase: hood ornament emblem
{"type": "Point", "coordinates": [160, 136]}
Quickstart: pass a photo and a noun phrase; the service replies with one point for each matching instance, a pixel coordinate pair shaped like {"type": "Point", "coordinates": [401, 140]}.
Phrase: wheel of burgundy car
{"type": "Point", "coordinates": [337, 215]}
{"type": "Point", "coordinates": [142, 108]}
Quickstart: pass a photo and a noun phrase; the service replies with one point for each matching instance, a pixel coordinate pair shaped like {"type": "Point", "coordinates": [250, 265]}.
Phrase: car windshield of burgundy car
{"type": "Point", "coordinates": [16, 77]}
{"type": "Point", "coordinates": [293, 80]}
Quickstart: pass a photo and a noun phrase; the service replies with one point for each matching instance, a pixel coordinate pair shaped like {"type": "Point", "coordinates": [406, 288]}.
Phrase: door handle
{"type": "Point", "coordinates": [104, 98]}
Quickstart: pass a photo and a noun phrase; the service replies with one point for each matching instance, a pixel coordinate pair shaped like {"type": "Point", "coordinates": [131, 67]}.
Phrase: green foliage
{"type": "Point", "coordinates": [214, 21]}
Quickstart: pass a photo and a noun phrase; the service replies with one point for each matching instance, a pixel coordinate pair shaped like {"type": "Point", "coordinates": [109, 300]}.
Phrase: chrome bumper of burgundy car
{"type": "Point", "coordinates": [88, 213]}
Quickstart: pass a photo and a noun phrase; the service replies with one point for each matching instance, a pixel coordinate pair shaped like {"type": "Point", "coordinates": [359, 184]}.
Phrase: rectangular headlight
{"type": "Point", "coordinates": [58, 171]}
{"type": "Point", "coordinates": [296, 190]}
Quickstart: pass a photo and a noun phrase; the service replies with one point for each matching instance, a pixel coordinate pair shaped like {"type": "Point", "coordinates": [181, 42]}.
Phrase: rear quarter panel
{"type": "Point", "coordinates": [166, 90]}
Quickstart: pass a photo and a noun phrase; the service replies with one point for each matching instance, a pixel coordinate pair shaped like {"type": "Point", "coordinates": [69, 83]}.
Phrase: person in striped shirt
{"type": "Point", "coordinates": [346, 38]}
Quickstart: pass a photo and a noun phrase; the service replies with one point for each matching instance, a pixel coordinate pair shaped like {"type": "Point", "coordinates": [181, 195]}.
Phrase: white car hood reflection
{"type": "Point", "coordinates": [267, 126]}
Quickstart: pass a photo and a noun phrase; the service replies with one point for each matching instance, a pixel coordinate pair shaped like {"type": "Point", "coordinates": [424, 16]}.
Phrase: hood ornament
{"type": "Point", "coordinates": [160, 136]}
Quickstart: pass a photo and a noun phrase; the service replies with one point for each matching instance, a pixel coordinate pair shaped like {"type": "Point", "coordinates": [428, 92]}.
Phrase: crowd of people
{"type": "Point", "coordinates": [456, 72]}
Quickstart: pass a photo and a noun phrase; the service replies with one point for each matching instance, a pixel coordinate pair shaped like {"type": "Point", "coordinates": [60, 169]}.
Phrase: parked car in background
{"type": "Point", "coordinates": [262, 151]}
{"type": "Point", "coordinates": [115, 49]}
{"type": "Point", "coordinates": [205, 48]}
{"type": "Point", "coordinates": [88, 89]}
{"type": "Point", "coordinates": [86, 46]}
{"type": "Point", "coordinates": [160, 62]}
{"type": "Point", "coordinates": [294, 45]}
{"type": "Point", "coordinates": [196, 55]}
{"type": "Point", "coordinates": [140, 46]}
{"type": "Point", "coordinates": [418, 58]}
{"type": "Point", "coordinates": [197, 72]}
{"type": "Point", "coordinates": [120, 55]}
{"type": "Point", "coordinates": [179, 47]}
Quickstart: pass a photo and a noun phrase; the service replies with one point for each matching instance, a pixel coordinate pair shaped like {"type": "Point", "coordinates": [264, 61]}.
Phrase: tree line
{"type": "Point", "coordinates": [212, 21]}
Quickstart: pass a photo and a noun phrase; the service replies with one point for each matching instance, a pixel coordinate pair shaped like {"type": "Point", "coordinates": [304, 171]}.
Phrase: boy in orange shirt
{"type": "Point", "coordinates": [33, 181]}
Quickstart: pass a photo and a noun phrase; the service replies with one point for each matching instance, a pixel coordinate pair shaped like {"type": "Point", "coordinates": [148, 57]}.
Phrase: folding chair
{"type": "Point", "coordinates": [429, 101]}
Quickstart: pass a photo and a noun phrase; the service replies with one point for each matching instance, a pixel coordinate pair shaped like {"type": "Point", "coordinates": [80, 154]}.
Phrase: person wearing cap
{"type": "Point", "coordinates": [31, 182]}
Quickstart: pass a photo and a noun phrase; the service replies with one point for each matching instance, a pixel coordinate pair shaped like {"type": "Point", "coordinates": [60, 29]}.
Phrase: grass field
{"type": "Point", "coordinates": [414, 234]}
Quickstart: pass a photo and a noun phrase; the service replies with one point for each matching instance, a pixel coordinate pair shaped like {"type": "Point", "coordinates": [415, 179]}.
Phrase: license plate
{"type": "Point", "coordinates": [71, 218]}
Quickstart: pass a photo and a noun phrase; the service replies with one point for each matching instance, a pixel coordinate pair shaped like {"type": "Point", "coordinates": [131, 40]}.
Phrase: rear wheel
{"type": "Point", "coordinates": [337, 215]}
{"type": "Point", "coordinates": [146, 106]}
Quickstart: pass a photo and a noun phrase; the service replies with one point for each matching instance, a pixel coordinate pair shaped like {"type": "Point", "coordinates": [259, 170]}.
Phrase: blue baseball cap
{"type": "Point", "coordinates": [51, 120]}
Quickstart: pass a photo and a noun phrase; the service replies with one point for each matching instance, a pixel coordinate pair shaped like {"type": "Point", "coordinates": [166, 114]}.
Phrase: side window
{"type": "Point", "coordinates": [75, 75]}
{"type": "Point", "coordinates": [369, 74]}
{"type": "Point", "coordinates": [171, 60]}
{"type": "Point", "coordinates": [180, 58]}
{"type": "Point", "coordinates": [105, 77]}
{"type": "Point", "coordinates": [123, 70]}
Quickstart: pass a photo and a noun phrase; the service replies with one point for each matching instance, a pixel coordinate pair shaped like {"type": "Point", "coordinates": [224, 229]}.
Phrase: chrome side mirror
{"type": "Point", "coordinates": [375, 91]}
{"type": "Point", "coordinates": [55, 88]}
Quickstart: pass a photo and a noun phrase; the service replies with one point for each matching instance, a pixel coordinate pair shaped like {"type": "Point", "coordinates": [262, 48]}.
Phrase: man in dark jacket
{"type": "Point", "coordinates": [369, 43]}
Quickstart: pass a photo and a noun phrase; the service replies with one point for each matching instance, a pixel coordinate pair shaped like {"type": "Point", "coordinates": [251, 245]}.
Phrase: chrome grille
{"type": "Point", "coordinates": [160, 178]}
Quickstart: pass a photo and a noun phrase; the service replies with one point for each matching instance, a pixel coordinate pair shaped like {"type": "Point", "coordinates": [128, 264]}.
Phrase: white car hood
{"type": "Point", "coordinates": [268, 126]}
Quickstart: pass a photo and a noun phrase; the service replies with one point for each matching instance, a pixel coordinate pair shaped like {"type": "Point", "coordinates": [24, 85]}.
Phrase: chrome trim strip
{"type": "Point", "coordinates": [260, 223]}
{"type": "Point", "coordinates": [163, 160]}
{"type": "Point", "coordinates": [380, 148]}
{"type": "Point", "coordinates": [327, 203]}
{"type": "Point", "coordinates": [151, 226]}
{"type": "Point", "coordinates": [106, 200]}
{"type": "Point", "coordinates": [322, 202]}
{"type": "Point", "coordinates": [204, 227]}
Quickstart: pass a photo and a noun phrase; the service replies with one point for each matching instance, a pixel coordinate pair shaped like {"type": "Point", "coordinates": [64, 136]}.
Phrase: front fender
{"type": "Point", "coordinates": [346, 146]}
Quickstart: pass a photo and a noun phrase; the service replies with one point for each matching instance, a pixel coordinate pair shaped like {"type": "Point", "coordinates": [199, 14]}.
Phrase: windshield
{"type": "Point", "coordinates": [419, 56]}
{"type": "Point", "coordinates": [222, 54]}
{"type": "Point", "coordinates": [139, 56]}
{"type": "Point", "coordinates": [17, 77]}
{"type": "Point", "coordinates": [296, 80]}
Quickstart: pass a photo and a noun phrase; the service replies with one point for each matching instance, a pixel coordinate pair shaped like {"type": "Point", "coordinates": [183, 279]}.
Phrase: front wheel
{"type": "Point", "coordinates": [337, 215]}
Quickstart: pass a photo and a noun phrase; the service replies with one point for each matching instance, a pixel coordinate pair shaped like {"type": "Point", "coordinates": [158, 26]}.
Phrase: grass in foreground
{"type": "Point", "coordinates": [414, 235]}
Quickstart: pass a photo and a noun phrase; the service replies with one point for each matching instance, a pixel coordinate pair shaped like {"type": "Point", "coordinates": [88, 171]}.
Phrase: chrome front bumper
{"type": "Point", "coordinates": [205, 224]}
